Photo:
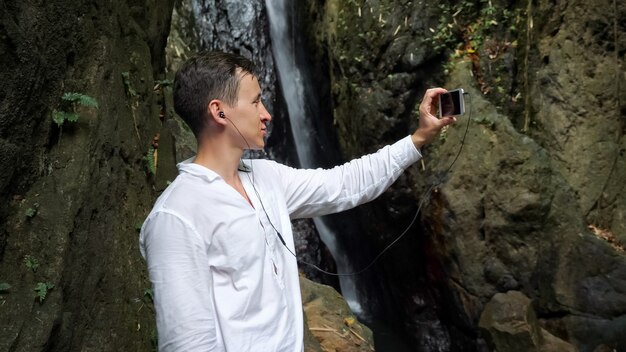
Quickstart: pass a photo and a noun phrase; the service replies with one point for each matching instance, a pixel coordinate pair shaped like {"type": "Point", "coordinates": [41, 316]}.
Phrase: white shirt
{"type": "Point", "coordinates": [221, 278]}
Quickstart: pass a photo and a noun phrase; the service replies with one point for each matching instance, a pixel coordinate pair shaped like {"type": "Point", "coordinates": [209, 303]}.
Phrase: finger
{"type": "Point", "coordinates": [431, 94]}
{"type": "Point", "coordinates": [429, 102]}
{"type": "Point", "coordinates": [445, 121]}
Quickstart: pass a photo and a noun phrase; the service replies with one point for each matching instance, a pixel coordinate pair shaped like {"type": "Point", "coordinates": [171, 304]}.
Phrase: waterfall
{"type": "Point", "coordinates": [296, 90]}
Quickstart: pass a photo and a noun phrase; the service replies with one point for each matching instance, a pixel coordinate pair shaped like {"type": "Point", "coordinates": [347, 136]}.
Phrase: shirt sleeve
{"type": "Point", "coordinates": [318, 192]}
{"type": "Point", "coordinates": [179, 271]}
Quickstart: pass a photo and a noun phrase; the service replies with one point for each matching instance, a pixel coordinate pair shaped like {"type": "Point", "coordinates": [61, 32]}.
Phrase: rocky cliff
{"type": "Point", "coordinates": [533, 204]}
{"type": "Point", "coordinates": [74, 192]}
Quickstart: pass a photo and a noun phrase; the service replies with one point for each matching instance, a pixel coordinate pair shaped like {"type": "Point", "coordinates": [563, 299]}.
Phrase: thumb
{"type": "Point", "coordinates": [446, 121]}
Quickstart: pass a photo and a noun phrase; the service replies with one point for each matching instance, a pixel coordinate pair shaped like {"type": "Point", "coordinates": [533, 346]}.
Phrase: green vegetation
{"type": "Point", "coordinates": [130, 91]}
{"type": "Point", "coordinates": [154, 340]}
{"type": "Point", "coordinates": [4, 287]}
{"type": "Point", "coordinates": [70, 101]}
{"type": "Point", "coordinates": [42, 289]}
{"type": "Point", "coordinates": [81, 99]}
{"type": "Point", "coordinates": [465, 26]}
{"type": "Point", "coordinates": [31, 262]}
{"type": "Point", "coordinates": [32, 211]}
{"type": "Point", "coordinates": [151, 160]}
{"type": "Point", "coordinates": [61, 116]}
{"type": "Point", "coordinates": [483, 32]}
{"type": "Point", "coordinates": [162, 83]}
{"type": "Point", "coordinates": [481, 120]}
{"type": "Point", "coordinates": [147, 293]}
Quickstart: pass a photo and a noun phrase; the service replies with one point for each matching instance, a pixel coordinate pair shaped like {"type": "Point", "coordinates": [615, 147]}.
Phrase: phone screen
{"type": "Point", "coordinates": [451, 103]}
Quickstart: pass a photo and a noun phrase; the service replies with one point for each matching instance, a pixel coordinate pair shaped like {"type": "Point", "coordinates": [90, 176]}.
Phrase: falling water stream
{"type": "Point", "coordinates": [296, 89]}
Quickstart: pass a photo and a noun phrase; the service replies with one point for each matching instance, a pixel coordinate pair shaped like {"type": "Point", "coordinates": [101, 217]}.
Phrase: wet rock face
{"type": "Point", "coordinates": [577, 103]}
{"type": "Point", "coordinates": [514, 212]}
{"type": "Point", "coordinates": [85, 186]}
{"type": "Point", "coordinates": [510, 324]}
{"type": "Point", "coordinates": [379, 63]}
{"type": "Point", "coordinates": [8, 161]}
{"type": "Point", "coordinates": [507, 219]}
{"type": "Point", "coordinates": [24, 95]}
{"type": "Point", "coordinates": [377, 58]}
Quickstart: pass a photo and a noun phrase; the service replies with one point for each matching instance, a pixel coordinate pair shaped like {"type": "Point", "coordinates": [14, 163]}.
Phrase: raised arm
{"type": "Point", "coordinates": [318, 192]}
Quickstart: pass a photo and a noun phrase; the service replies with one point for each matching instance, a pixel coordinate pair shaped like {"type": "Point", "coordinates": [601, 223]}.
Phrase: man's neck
{"type": "Point", "coordinates": [221, 158]}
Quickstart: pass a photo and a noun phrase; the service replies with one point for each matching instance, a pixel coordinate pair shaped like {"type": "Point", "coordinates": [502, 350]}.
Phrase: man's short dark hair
{"type": "Point", "coordinates": [204, 77]}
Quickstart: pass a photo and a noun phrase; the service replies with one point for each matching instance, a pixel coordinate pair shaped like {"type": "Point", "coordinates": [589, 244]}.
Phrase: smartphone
{"type": "Point", "coordinates": [451, 103]}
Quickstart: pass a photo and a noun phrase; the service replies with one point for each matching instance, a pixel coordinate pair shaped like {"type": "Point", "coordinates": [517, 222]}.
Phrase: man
{"type": "Point", "coordinates": [218, 240]}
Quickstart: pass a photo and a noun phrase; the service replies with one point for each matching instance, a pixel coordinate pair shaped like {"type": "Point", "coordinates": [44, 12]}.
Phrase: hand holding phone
{"type": "Point", "coordinates": [451, 103]}
{"type": "Point", "coordinates": [429, 124]}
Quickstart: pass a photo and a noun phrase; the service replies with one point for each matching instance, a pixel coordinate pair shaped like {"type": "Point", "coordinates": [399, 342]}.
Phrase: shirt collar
{"type": "Point", "coordinates": [188, 166]}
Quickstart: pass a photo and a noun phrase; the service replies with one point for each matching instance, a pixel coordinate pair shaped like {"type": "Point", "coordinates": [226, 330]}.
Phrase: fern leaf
{"type": "Point", "coordinates": [88, 101]}
{"type": "Point", "coordinates": [81, 99]}
{"type": "Point", "coordinates": [70, 96]}
{"type": "Point", "coordinates": [58, 117]}
{"type": "Point", "coordinates": [150, 159]}
{"type": "Point", "coordinates": [61, 116]}
{"type": "Point", "coordinates": [42, 289]}
{"type": "Point", "coordinates": [71, 117]}
{"type": "Point", "coordinates": [31, 262]}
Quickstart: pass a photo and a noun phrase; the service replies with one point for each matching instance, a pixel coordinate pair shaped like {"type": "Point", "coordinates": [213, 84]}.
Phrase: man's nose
{"type": "Point", "coordinates": [265, 115]}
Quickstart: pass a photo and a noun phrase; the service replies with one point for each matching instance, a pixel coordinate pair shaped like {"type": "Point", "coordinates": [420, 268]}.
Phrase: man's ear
{"type": "Point", "coordinates": [213, 111]}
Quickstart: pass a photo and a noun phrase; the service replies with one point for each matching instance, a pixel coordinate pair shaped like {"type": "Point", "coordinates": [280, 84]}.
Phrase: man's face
{"type": "Point", "coordinates": [249, 114]}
